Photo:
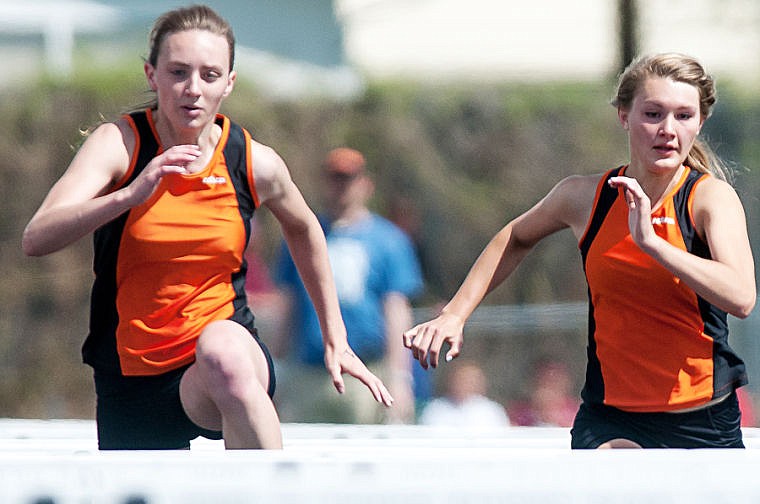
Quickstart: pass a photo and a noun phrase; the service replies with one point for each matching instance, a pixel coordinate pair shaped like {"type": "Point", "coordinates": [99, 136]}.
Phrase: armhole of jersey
{"type": "Point", "coordinates": [599, 188]}
{"type": "Point", "coordinates": [249, 168]}
{"type": "Point", "coordinates": [132, 157]}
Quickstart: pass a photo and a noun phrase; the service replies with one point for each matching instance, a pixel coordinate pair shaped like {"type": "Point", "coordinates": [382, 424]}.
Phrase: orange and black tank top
{"type": "Point", "coordinates": [169, 266]}
{"type": "Point", "coordinates": [653, 343]}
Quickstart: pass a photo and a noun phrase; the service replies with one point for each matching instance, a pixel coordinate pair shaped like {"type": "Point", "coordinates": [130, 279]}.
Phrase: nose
{"type": "Point", "coordinates": [192, 86]}
{"type": "Point", "coordinates": [667, 126]}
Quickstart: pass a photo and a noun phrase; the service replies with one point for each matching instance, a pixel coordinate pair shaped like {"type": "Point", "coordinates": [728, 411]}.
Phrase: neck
{"type": "Point", "coordinates": [206, 138]}
{"type": "Point", "coordinates": [349, 215]}
{"type": "Point", "coordinates": [169, 135]}
{"type": "Point", "coordinates": [655, 184]}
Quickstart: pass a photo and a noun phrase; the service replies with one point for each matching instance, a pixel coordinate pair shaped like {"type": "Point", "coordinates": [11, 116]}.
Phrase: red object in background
{"type": "Point", "coordinates": [747, 407]}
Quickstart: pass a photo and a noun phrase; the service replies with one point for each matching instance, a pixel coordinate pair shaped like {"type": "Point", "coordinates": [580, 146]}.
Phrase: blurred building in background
{"type": "Point", "coordinates": [542, 39]}
{"type": "Point", "coordinates": [293, 47]}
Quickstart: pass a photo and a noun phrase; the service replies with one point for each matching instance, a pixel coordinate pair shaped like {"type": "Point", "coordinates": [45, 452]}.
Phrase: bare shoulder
{"type": "Point", "coordinates": [576, 192]}
{"type": "Point", "coordinates": [266, 160]}
{"type": "Point", "coordinates": [113, 134]}
{"type": "Point", "coordinates": [106, 152]}
{"type": "Point", "coordinates": [710, 185]}
{"type": "Point", "coordinates": [270, 172]}
{"type": "Point", "coordinates": [573, 198]}
{"type": "Point", "coordinates": [714, 196]}
{"type": "Point", "coordinates": [576, 185]}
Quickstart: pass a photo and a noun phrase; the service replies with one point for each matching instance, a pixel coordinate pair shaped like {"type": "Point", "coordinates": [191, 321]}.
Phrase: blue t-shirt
{"type": "Point", "coordinates": [370, 259]}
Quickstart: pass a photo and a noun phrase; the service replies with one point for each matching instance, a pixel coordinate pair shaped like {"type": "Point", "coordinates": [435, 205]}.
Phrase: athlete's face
{"type": "Point", "coordinates": [191, 77]}
{"type": "Point", "coordinates": [663, 122]}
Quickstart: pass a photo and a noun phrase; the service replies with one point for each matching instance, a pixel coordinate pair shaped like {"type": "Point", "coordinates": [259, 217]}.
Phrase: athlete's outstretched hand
{"type": "Point", "coordinates": [426, 340]}
{"type": "Point", "coordinates": [173, 160]}
{"type": "Point", "coordinates": [344, 360]}
{"type": "Point", "coordinates": [639, 210]}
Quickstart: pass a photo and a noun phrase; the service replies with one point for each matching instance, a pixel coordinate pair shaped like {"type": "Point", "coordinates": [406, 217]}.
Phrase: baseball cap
{"type": "Point", "coordinates": [344, 161]}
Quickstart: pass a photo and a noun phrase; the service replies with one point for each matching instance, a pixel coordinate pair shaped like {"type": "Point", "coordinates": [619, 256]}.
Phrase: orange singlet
{"type": "Point", "coordinates": [654, 345]}
{"type": "Point", "coordinates": [171, 265]}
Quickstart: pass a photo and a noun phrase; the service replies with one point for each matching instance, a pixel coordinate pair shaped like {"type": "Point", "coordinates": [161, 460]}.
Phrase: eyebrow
{"type": "Point", "coordinates": [178, 63]}
{"type": "Point", "coordinates": [660, 103]}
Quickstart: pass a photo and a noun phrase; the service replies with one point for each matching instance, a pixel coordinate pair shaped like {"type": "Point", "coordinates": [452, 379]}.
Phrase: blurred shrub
{"type": "Point", "coordinates": [459, 160]}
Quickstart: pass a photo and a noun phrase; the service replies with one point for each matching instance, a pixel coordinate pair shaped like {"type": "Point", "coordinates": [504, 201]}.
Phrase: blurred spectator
{"type": "Point", "coordinates": [552, 402]}
{"type": "Point", "coordinates": [376, 273]}
{"type": "Point", "coordinates": [464, 402]}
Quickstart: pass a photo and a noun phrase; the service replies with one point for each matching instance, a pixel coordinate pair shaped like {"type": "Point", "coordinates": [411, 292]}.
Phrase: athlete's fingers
{"type": "Point", "coordinates": [421, 345]}
{"type": "Point", "coordinates": [337, 378]}
{"type": "Point", "coordinates": [381, 393]}
{"type": "Point", "coordinates": [456, 348]}
{"type": "Point", "coordinates": [435, 349]}
{"type": "Point", "coordinates": [385, 396]}
{"type": "Point", "coordinates": [339, 384]}
{"type": "Point", "coordinates": [408, 336]}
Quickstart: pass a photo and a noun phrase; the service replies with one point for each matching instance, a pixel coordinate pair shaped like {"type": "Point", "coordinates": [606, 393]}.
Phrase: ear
{"type": "Point", "coordinates": [150, 74]}
{"type": "Point", "coordinates": [623, 117]}
{"type": "Point", "coordinates": [230, 83]}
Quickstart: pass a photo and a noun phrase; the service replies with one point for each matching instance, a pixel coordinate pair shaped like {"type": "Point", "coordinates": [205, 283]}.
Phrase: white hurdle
{"type": "Point", "coordinates": [57, 462]}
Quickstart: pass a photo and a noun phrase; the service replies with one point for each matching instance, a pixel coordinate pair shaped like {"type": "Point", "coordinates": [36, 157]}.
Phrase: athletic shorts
{"type": "Point", "coordinates": [716, 426]}
{"type": "Point", "coordinates": [145, 412]}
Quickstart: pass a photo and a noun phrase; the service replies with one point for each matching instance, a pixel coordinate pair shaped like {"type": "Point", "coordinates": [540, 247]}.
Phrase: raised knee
{"type": "Point", "coordinates": [224, 358]}
{"type": "Point", "coordinates": [221, 355]}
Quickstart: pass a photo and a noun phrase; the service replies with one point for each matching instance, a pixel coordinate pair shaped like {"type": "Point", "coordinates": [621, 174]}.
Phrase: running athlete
{"type": "Point", "coordinates": [666, 255]}
{"type": "Point", "coordinates": [169, 192]}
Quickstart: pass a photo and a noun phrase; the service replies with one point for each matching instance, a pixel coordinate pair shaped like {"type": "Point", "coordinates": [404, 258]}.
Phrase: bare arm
{"type": "Point", "coordinates": [727, 280]}
{"type": "Point", "coordinates": [568, 204]}
{"type": "Point", "coordinates": [308, 247]}
{"type": "Point", "coordinates": [79, 202]}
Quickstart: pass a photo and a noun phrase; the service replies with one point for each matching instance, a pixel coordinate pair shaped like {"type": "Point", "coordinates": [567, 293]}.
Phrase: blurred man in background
{"type": "Point", "coordinates": [376, 273]}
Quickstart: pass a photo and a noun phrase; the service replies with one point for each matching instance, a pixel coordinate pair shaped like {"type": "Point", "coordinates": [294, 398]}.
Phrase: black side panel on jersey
{"type": "Point", "coordinates": [99, 349]}
{"type": "Point", "coordinates": [728, 368]}
{"type": "Point", "coordinates": [593, 389]}
{"type": "Point", "coordinates": [237, 166]}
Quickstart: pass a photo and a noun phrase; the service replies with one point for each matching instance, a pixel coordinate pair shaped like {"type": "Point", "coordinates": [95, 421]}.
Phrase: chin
{"type": "Point", "coordinates": [663, 165]}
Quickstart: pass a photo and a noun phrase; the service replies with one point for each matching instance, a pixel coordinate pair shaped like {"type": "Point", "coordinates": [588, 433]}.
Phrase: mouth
{"type": "Point", "coordinates": [665, 149]}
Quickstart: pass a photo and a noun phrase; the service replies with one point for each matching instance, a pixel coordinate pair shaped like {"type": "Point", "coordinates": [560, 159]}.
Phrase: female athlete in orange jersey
{"type": "Point", "coordinates": [169, 192]}
{"type": "Point", "coordinates": [666, 255]}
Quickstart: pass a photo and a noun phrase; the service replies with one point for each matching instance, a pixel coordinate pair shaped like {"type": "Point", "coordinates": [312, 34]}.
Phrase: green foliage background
{"type": "Point", "coordinates": [467, 157]}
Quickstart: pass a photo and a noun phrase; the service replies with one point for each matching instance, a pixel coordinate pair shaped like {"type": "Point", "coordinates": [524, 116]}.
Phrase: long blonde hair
{"type": "Point", "coordinates": [680, 68]}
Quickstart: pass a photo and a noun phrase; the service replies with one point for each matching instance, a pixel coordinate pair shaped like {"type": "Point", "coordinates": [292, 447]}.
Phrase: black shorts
{"type": "Point", "coordinates": [717, 426]}
{"type": "Point", "coordinates": [145, 412]}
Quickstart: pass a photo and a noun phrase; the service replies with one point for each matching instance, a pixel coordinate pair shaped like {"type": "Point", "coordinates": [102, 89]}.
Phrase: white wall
{"type": "Point", "coordinates": [540, 39]}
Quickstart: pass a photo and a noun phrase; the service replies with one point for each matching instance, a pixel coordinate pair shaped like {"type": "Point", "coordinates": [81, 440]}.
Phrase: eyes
{"type": "Point", "coordinates": [181, 73]}
{"type": "Point", "coordinates": [659, 114]}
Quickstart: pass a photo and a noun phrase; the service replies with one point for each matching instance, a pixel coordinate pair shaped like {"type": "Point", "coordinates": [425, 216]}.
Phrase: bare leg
{"type": "Point", "coordinates": [618, 443]}
{"type": "Point", "coordinates": [226, 388]}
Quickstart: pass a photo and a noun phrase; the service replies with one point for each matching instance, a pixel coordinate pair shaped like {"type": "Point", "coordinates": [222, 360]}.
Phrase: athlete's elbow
{"type": "Point", "coordinates": [36, 243]}
{"type": "Point", "coordinates": [745, 307]}
{"type": "Point", "coordinates": [30, 246]}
